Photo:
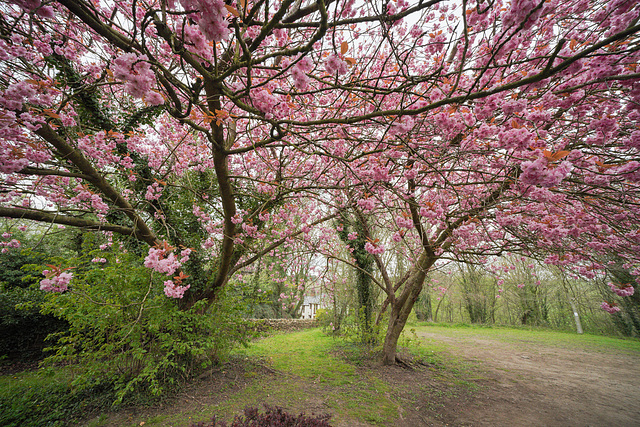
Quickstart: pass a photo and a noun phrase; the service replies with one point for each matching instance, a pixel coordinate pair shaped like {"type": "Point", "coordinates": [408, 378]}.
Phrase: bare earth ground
{"type": "Point", "coordinates": [535, 384]}
{"type": "Point", "coordinates": [511, 382]}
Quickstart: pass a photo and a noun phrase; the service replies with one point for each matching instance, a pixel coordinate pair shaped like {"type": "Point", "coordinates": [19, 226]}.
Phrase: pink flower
{"type": "Point", "coordinates": [610, 307]}
{"type": "Point", "coordinates": [174, 291]}
{"type": "Point", "coordinates": [154, 98]}
{"type": "Point", "coordinates": [623, 290]}
{"type": "Point", "coordinates": [58, 283]}
{"type": "Point", "coordinates": [159, 261]}
{"type": "Point", "coordinates": [237, 218]}
{"type": "Point", "coordinates": [373, 249]}
{"type": "Point", "coordinates": [184, 255]}
{"type": "Point", "coordinates": [367, 204]}
{"type": "Point", "coordinates": [540, 172]}
{"type": "Point", "coordinates": [298, 73]}
{"type": "Point", "coordinates": [136, 72]}
{"type": "Point", "coordinates": [404, 222]}
{"type": "Point", "coordinates": [334, 64]}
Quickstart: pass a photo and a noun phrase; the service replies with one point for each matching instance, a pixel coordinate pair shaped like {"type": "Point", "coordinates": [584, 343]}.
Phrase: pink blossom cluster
{"type": "Point", "coordinates": [367, 204]}
{"type": "Point", "coordinates": [625, 290]}
{"type": "Point", "coordinates": [271, 105]}
{"type": "Point", "coordinates": [17, 94]}
{"type": "Point", "coordinates": [174, 291]}
{"type": "Point", "coordinates": [13, 243]}
{"type": "Point", "coordinates": [516, 138]}
{"type": "Point", "coordinates": [194, 37]}
{"type": "Point", "coordinates": [85, 195]}
{"type": "Point", "coordinates": [404, 222]}
{"type": "Point", "coordinates": [402, 127]}
{"type": "Point", "coordinates": [34, 6]}
{"type": "Point", "coordinates": [160, 261]}
{"type": "Point", "coordinates": [11, 158]}
{"type": "Point", "coordinates": [139, 78]}
{"type": "Point", "coordinates": [163, 260]}
{"type": "Point", "coordinates": [610, 307]}
{"type": "Point", "coordinates": [347, 9]}
{"type": "Point", "coordinates": [55, 282]}
{"type": "Point", "coordinates": [630, 171]}
{"type": "Point", "coordinates": [101, 148]}
{"type": "Point", "coordinates": [298, 73]}
{"type": "Point", "coordinates": [154, 192]}
{"type": "Point", "coordinates": [521, 10]}
{"type": "Point", "coordinates": [373, 249]}
{"type": "Point", "coordinates": [432, 212]}
{"type": "Point", "coordinates": [334, 64]}
{"type": "Point", "coordinates": [393, 8]}
{"type": "Point", "coordinates": [540, 172]}
{"type": "Point", "coordinates": [212, 18]}
{"type": "Point", "coordinates": [372, 173]}
{"type": "Point", "coordinates": [237, 218]}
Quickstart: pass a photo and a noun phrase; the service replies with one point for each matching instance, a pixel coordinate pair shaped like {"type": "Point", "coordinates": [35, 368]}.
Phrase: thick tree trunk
{"type": "Point", "coordinates": [397, 321]}
{"type": "Point", "coordinates": [401, 307]}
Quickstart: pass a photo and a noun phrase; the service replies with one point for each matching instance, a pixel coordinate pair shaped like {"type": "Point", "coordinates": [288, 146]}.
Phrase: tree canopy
{"type": "Point", "coordinates": [214, 132]}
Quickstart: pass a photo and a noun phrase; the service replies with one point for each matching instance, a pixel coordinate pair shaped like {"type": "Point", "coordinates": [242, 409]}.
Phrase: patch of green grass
{"type": "Point", "coordinates": [308, 373]}
{"type": "Point", "coordinates": [46, 397]}
{"type": "Point", "coordinates": [538, 335]}
{"type": "Point", "coordinates": [369, 399]}
{"type": "Point", "coordinates": [306, 354]}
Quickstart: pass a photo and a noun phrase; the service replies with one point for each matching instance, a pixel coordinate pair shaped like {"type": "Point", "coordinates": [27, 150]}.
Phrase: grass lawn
{"type": "Point", "coordinates": [305, 371]}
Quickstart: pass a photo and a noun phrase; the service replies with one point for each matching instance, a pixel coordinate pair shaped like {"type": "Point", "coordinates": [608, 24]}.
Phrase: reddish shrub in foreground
{"type": "Point", "coordinates": [272, 417]}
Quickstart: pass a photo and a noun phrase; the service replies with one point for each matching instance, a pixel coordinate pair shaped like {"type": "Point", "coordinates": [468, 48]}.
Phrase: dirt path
{"type": "Point", "coordinates": [531, 383]}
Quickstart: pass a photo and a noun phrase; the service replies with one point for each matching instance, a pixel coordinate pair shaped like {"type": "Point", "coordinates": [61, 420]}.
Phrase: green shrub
{"type": "Point", "coordinates": [23, 328]}
{"type": "Point", "coordinates": [12, 273]}
{"type": "Point", "coordinates": [124, 333]}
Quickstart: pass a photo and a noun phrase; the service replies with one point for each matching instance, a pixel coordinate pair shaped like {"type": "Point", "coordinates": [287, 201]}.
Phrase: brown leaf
{"type": "Point", "coordinates": [51, 114]}
{"type": "Point", "coordinates": [559, 155]}
{"type": "Point", "coordinates": [232, 10]}
{"type": "Point", "coordinates": [344, 47]}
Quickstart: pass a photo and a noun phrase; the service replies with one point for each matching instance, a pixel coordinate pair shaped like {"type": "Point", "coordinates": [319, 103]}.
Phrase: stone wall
{"type": "Point", "coordinates": [283, 325]}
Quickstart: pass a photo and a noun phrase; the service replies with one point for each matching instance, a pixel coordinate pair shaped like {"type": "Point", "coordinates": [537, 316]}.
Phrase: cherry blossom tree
{"type": "Point", "coordinates": [159, 121]}
{"type": "Point", "coordinates": [469, 127]}
{"type": "Point", "coordinates": [492, 130]}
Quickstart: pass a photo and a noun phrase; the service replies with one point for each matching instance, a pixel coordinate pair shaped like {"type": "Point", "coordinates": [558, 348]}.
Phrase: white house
{"type": "Point", "coordinates": [311, 305]}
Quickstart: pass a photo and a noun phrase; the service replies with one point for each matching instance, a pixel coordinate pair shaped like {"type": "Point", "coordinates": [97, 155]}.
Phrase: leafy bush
{"type": "Point", "coordinates": [12, 273]}
{"type": "Point", "coordinates": [23, 328]}
{"type": "Point", "coordinates": [126, 334]}
{"type": "Point", "coordinates": [272, 417]}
